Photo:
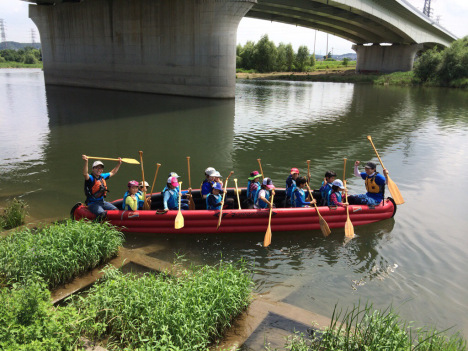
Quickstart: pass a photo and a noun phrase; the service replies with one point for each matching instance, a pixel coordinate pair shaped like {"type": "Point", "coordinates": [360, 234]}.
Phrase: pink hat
{"type": "Point", "coordinates": [268, 183]}
{"type": "Point", "coordinates": [132, 183]}
{"type": "Point", "coordinates": [294, 170]}
{"type": "Point", "coordinates": [173, 181]}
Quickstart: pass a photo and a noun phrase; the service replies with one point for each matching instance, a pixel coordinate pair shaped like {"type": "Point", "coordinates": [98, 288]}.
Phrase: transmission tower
{"type": "Point", "coordinates": [33, 36]}
{"type": "Point", "coordinates": [427, 8]}
{"type": "Point", "coordinates": [2, 32]}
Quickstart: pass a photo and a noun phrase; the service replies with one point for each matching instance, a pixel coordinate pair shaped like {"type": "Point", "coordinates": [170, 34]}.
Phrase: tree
{"type": "Point", "coordinates": [312, 60]}
{"type": "Point", "coordinates": [281, 59]}
{"type": "Point", "coordinates": [265, 55]}
{"type": "Point", "coordinates": [290, 57]}
{"type": "Point", "coordinates": [302, 58]}
{"type": "Point", "coordinates": [454, 62]}
{"type": "Point", "coordinates": [247, 55]}
{"type": "Point", "coordinates": [345, 61]}
{"type": "Point", "coordinates": [427, 64]}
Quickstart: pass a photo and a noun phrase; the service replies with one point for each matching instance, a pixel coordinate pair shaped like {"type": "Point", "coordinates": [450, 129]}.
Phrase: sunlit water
{"type": "Point", "coordinates": [416, 261]}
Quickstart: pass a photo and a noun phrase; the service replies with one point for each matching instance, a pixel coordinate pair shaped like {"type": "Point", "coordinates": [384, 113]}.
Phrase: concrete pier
{"type": "Point", "coordinates": [178, 47]}
{"type": "Point", "coordinates": [386, 59]}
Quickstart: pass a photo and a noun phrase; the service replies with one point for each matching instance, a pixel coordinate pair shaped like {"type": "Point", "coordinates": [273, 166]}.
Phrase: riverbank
{"type": "Point", "coordinates": [10, 64]}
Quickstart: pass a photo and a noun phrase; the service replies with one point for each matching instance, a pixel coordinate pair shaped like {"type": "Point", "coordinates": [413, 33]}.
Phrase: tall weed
{"type": "Point", "coordinates": [14, 215]}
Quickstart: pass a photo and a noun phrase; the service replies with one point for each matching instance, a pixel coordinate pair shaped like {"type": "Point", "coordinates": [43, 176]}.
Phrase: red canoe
{"type": "Point", "coordinates": [244, 220]}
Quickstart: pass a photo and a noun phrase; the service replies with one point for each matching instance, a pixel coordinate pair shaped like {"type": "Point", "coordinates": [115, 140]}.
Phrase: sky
{"type": "Point", "coordinates": [453, 16]}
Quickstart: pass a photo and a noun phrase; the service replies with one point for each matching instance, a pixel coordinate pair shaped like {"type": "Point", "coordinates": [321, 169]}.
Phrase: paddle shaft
{"type": "Point", "coordinates": [237, 192]}
{"type": "Point", "coordinates": [145, 204]}
{"type": "Point", "coordinates": [308, 171]}
{"type": "Point", "coordinates": [381, 163]}
{"type": "Point", "coordinates": [126, 160]}
{"type": "Point", "coordinates": [323, 223]}
{"type": "Point", "coordinates": [222, 201]}
{"type": "Point", "coordinates": [260, 165]}
{"type": "Point", "coordinates": [267, 239]}
{"type": "Point", "coordinates": [191, 203]}
{"type": "Point", "coordinates": [155, 176]}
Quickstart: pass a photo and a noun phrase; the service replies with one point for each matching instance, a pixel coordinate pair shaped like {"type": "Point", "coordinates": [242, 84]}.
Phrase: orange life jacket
{"type": "Point", "coordinates": [97, 190]}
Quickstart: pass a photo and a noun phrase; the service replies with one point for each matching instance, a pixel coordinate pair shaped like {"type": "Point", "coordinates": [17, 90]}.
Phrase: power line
{"type": "Point", "coordinates": [33, 36]}
{"type": "Point", "coordinates": [2, 32]}
{"type": "Point", "coordinates": [427, 8]}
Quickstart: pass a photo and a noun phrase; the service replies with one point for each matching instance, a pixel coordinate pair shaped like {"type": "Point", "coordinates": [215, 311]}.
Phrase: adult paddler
{"type": "Point", "coordinates": [375, 185]}
{"type": "Point", "coordinates": [96, 188]}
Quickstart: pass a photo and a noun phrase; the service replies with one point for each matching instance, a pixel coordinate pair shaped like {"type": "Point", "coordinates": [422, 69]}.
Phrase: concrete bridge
{"type": "Point", "coordinates": [188, 47]}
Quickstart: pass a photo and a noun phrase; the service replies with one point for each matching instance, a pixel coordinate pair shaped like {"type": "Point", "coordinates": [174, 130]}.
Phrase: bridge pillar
{"type": "Point", "coordinates": [179, 47]}
{"type": "Point", "coordinates": [387, 59]}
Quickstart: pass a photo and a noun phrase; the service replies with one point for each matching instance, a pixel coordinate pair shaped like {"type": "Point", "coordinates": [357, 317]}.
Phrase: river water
{"type": "Point", "coordinates": [416, 261]}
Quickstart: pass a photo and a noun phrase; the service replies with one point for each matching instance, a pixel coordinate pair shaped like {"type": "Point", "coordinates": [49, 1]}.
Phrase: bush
{"type": "Point", "coordinates": [161, 312]}
{"type": "Point", "coordinates": [30, 59]}
{"type": "Point", "coordinates": [346, 61]}
{"type": "Point", "coordinates": [426, 65]}
{"type": "Point", "coordinates": [57, 253]}
{"type": "Point", "coordinates": [454, 63]}
{"type": "Point", "coordinates": [14, 215]}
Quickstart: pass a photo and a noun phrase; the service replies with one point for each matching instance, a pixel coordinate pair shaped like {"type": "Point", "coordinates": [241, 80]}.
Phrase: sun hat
{"type": "Point", "coordinates": [338, 183]}
{"type": "Point", "coordinates": [173, 174]}
{"type": "Point", "coordinates": [146, 184]}
{"type": "Point", "coordinates": [254, 175]}
{"type": "Point", "coordinates": [98, 163]}
{"type": "Point", "coordinates": [218, 186]}
{"type": "Point", "coordinates": [268, 183]}
{"type": "Point", "coordinates": [294, 170]}
{"type": "Point", "coordinates": [370, 165]}
{"type": "Point", "coordinates": [216, 174]}
{"type": "Point", "coordinates": [173, 181]}
{"type": "Point", "coordinates": [132, 183]}
{"type": "Point", "coordinates": [209, 170]}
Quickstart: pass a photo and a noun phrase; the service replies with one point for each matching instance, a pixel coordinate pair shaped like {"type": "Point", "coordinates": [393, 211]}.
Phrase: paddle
{"type": "Point", "coordinates": [155, 176]}
{"type": "Point", "coordinates": [222, 201]}
{"type": "Point", "coordinates": [267, 239]}
{"type": "Point", "coordinates": [126, 160]}
{"type": "Point", "coordinates": [191, 203]}
{"type": "Point", "coordinates": [308, 171]}
{"type": "Point", "coordinates": [237, 192]}
{"type": "Point", "coordinates": [179, 220]}
{"type": "Point", "coordinates": [390, 183]}
{"type": "Point", "coordinates": [323, 224]}
{"type": "Point", "coordinates": [260, 164]}
{"type": "Point", "coordinates": [145, 203]}
{"type": "Point", "coordinates": [349, 228]}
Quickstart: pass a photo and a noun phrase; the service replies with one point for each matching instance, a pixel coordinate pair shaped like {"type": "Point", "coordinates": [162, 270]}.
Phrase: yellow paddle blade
{"type": "Point", "coordinates": [131, 161]}
{"type": "Point", "coordinates": [267, 239]}
{"type": "Point", "coordinates": [324, 226]}
{"type": "Point", "coordinates": [179, 221]}
{"type": "Point", "coordinates": [396, 195]}
{"type": "Point", "coordinates": [349, 229]}
{"type": "Point", "coordinates": [126, 160]}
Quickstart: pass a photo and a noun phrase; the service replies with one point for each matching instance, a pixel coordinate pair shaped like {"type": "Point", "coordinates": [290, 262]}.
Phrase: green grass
{"type": "Point", "coordinates": [363, 328]}
{"type": "Point", "coordinates": [14, 215]}
{"type": "Point", "coordinates": [397, 78]}
{"type": "Point", "coordinates": [161, 312]}
{"type": "Point", "coordinates": [10, 64]}
{"type": "Point", "coordinates": [57, 253]}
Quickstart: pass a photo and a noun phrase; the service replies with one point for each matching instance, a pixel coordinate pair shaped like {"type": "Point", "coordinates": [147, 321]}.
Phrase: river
{"type": "Point", "coordinates": [416, 261]}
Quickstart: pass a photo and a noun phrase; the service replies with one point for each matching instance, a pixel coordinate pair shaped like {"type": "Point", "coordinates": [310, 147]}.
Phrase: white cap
{"type": "Point", "coordinates": [216, 174]}
{"type": "Point", "coordinates": [174, 174]}
{"type": "Point", "coordinates": [98, 163]}
{"type": "Point", "coordinates": [146, 184]}
{"type": "Point", "coordinates": [209, 170]}
{"type": "Point", "coordinates": [338, 183]}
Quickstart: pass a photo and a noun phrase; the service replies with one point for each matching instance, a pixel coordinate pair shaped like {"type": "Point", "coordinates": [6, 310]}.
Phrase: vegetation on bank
{"type": "Point", "coordinates": [21, 58]}
{"type": "Point", "coordinates": [363, 328]}
{"type": "Point", "coordinates": [13, 215]}
{"type": "Point", "coordinates": [58, 253]}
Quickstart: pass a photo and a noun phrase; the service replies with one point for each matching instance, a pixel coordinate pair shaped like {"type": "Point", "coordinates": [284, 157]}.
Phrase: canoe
{"type": "Point", "coordinates": [234, 220]}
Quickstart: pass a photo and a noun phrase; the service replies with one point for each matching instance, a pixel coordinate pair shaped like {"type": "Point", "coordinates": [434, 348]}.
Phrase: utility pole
{"type": "Point", "coordinates": [2, 32]}
{"type": "Point", "coordinates": [427, 8]}
{"type": "Point", "coordinates": [33, 36]}
{"type": "Point", "coordinates": [315, 39]}
{"type": "Point", "coordinates": [326, 52]}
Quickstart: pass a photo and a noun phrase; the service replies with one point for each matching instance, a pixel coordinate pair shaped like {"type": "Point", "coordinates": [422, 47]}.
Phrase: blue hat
{"type": "Point", "coordinates": [218, 186]}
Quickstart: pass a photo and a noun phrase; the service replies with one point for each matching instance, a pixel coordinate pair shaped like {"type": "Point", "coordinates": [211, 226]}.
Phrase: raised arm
{"type": "Point", "coordinates": [356, 170]}
{"type": "Point", "coordinates": [85, 167]}
{"type": "Point", "coordinates": [116, 168]}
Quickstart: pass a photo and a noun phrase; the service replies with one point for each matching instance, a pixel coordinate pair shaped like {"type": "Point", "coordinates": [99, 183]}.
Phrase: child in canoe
{"type": "Point", "coordinates": [263, 195]}
{"type": "Point", "coordinates": [291, 185]}
{"type": "Point", "coordinates": [299, 196]}
{"type": "Point", "coordinates": [133, 199]}
{"type": "Point", "coordinates": [335, 197]}
{"type": "Point", "coordinates": [207, 184]}
{"type": "Point", "coordinates": [253, 186]}
{"type": "Point", "coordinates": [326, 187]}
{"type": "Point", "coordinates": [214, 200]}
{"type": "Point", "coordinates": [171, 196]}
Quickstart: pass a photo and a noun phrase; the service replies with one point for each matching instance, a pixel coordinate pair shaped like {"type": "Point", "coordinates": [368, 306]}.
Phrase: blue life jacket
{"type": "Point", "coordinates": [290, 188]}
{"type": "Point", "coordinates": [325, 191]}
{"type": "Point", "coordinates": [338, 197]}
{"type": "Point", "coordinates": [173, 201]}
{"type": "Point", "coordinates": [295, 201]}
{"type": "Point", "coordinates": [139, 196]}
{"type": "Point", "coordinates": [252, 195]}
{"type": "Point", "coordinates": [260, 203]}
{"type": "Point", "coordinates": [218, 197]}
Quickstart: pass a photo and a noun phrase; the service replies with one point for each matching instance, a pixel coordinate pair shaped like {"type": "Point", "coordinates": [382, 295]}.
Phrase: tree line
{"type": "Point", "coordinates": [265, 56]}
{"type": "Point", "coordinates": [27, 55]}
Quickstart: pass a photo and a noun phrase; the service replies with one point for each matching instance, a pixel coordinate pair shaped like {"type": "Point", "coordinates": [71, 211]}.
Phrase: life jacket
{"type": "Point", "coordinates": [218, 197]}
{"type": "Point", "coordinates": [259, 203]}
{"type": "Point", "coordinates": [372, 187]}
{"type": "Point", "coordinates": [97, 190]}
{"type": "Point", "coordinates": [139, 196]}
{"type": "Point", "coordinates": [325, 191]}
{"type": "Point", "coordinates": [294, 198]}
{"type": "Point", "coordinates": [251, 194]}
{"type": "Point", "coordinates": [290, 188]}
{"type": "Point", "coordinates": [338, 197]}
{"type": "Point", "coordinates": [173, 200]}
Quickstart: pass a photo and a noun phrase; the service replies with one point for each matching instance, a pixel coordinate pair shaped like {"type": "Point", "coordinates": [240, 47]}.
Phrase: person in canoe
{"type": "Point", "coordinates": [214, 200]}
{"type": "Point", "coordinates": [143, 188]}
{"type": "Point", "coordinates": [133, 198]}
{"type": "Point", "coordinates": [291, 185]}
{"type": "Point", "coordinates": [207, 184]}
{"type": "Point", "coordinates": [95, 187]}
{"type": "Point", "coordinates": [263, 195]}
{"type": "Point", "coordinates": [375, 185]}
{"type": "Point", "coordinates": [326, 187]}
{"type": "Point", "coordinates": [298, 198]}
{"type": "Point", "coordinates": [335, 197]}
{"type": "Point", "coordinates": [228, 201]}
{"type": "Point", "coordinates": [171, 196]}
{"type": "Point", "coordinates": [253, 186]}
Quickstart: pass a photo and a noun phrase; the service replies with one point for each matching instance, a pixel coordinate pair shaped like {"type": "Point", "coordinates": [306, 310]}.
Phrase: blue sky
{"type": "Point", "coordinates": [453, 16]}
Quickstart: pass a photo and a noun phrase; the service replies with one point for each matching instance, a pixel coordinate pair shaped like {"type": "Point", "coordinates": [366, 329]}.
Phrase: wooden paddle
{"type": "Point", "coordinates": [349, 228]}
{"type": "Point", "coordinates": [179, 220]}
{"type": "Point", "coordinates": [390, 183]}
{"type": "Point", "coordinates": [191, 203]}
{"type": "Point", "coordinates": [222, 201]}
{"type": "Point", "coordinates": [126, 160]}
{"type": "Point", "coordinates": [155, 176]}
{"type": "Point", "coordinates": [308, 171]}
{"type": "Point", "coordinates": [237, 192]}
{"type": "Point", "coordinates": [260, 164]}
{"type": "Point", "coordinates": [323, 223]}
{"type": "Point", "coordinates": [145, 203]}
{"type": "Point", "coordinates": [267, 239]}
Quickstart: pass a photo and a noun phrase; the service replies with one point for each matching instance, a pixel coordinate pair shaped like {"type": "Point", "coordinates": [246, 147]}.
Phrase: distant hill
{"type": "Point", "coordinates": [16, 46]}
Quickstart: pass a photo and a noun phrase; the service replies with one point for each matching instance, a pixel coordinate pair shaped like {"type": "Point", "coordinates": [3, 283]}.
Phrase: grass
{"type": "Point", "coordinates": [10, 64]}
{"type": "Point", "coordinates": [363, 328]}
{"type": "Point", "coordinates": [162, 312]}
{"type": "Point", "coordinates": [14, 215]}
{"type": "Point", "coordinates": [397, 78]}
{"type": "Point", "coordinates": [57, 253]}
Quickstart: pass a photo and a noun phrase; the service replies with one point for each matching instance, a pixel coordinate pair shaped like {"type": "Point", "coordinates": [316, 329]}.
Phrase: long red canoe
{"type": "Point", "coordinates": [244, 220]}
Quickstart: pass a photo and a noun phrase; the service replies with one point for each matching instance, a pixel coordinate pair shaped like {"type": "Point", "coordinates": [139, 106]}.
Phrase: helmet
{"type": "Point", "coordinates": [294, 170]}
{"type": "Point", "coordinates": [132, 183]}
